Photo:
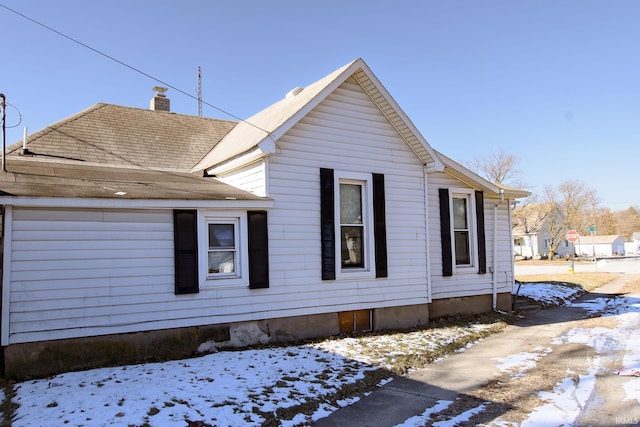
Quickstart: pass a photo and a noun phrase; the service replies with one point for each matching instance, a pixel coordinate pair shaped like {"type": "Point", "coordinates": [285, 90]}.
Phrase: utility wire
{"type": "Point", "coordinates": [130, 67]}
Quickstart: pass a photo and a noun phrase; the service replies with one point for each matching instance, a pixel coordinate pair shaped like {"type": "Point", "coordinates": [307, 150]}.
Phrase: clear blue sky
{"type": "Point", "coordinates": [556, 83]}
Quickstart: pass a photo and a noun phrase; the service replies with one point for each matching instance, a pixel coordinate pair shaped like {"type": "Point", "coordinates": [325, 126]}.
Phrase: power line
{"type": "Point", "coordinates": [137, 70]}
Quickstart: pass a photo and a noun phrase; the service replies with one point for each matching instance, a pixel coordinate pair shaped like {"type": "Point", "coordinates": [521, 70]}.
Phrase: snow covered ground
{"type": "Point", "coordinates": [234, 388]}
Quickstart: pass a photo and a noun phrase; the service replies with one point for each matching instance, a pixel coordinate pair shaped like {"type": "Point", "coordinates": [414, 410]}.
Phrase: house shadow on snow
{"type": "Point", "coordinates": [404, 398]}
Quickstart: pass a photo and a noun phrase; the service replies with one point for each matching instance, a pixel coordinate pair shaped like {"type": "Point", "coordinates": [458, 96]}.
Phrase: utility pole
{"type": "Point", "coordinates": [3, 105]}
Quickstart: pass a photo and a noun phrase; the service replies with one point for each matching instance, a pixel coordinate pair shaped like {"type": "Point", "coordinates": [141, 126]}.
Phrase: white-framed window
{"type": "Point", "coordinates": [354, 224]}
{"type": "Point", "coordinates": [221, 248]}
{"type": "Point", "coordinates": [463, 229]}
{"type": "Point", "coordinates": [222, 238]}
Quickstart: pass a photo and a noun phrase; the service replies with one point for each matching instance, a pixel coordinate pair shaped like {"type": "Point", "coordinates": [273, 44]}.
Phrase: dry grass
{"type": "Point", "coordinates": [588, 281]}
{"type": "Point", "coordinates": [631, 287]}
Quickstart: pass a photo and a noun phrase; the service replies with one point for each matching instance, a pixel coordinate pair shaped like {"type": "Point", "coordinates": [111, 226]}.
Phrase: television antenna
{"type": "Point", "coordinates": [199, 91]}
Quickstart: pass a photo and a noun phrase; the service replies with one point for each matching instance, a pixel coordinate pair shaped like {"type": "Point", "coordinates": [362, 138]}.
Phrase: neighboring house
{"type": "Point", "coordinates": [534, 243]}
{"type": "Point", "coordinates": [600, 246]}
{"type": "Point", "coordinates": [133, 234]}
{"type": "Point", "coordinates": [633, 247]}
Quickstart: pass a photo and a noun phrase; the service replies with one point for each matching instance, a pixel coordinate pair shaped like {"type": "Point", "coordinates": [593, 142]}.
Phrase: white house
{"type": "Point", "coordinates": [633, 247]}
{"type": "Point", "coordinates": [535, 242]}
{"type": "Point", "coordinates": [600, 246]}
{"type": "Point", "coordinates": [132, 233]}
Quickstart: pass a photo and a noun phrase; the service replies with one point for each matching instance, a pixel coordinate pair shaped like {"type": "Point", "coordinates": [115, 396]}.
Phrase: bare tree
{"type": "Point", "coordinates": [606, 222]}
{"type": "Point", "coordinates": [627, 222]}
{"type": "Point", "coordinates": [530, 216]}
{"type": "Point", "coordinates": [499, 167]}
{"type": "Point", "coordinates": [569, 204]}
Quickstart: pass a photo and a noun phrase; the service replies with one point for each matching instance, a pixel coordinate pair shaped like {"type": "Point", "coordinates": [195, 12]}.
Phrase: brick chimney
{"type": "Point", "coordinates": [160, 102]}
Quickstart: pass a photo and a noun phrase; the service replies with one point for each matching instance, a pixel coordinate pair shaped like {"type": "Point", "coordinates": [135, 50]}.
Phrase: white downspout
{"type": "Point", "coordinates": [494, 284]}
{"type": "Point", "coordinates": [513, 272]}
{"type": "Point", "coordinates": [7, 239]}
{"type": "Point", "coordinates": [427, 232]}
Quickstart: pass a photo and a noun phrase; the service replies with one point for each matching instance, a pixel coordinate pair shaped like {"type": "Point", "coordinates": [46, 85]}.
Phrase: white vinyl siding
{"type": "Point", "coordinates": [345, 132]}
{"type": "Point", "coordinates": [77, 273]}
{"type": "Point", "coordinates": [250, 178]}
{"type": "Point", "coordinates": [460, 285]}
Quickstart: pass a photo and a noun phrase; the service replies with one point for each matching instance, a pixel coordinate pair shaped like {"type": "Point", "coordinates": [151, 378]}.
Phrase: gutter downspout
{"type": "Point", "coordinates": [427, 232]}
{"type": "Point", "coordinates": [494, 284]}
{"type": "Point", "coordinates": [513, 269]}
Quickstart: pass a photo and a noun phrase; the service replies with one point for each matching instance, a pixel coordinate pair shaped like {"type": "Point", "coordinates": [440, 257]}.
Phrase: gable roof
{"type": "Point", "coordinates": [126, 137]}
{"type": "Point", "coordinates": [262, 130]}
{"type": "Point", "coordinates": [150, 140]}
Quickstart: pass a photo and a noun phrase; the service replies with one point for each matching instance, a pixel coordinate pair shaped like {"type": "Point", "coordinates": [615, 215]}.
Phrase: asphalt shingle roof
{"type": "Point", "coordinates": [110, 151]}
{"type": "Point", "coordinates": [127, 137]}
{"type": "Point", "coordinates": [26, 178]}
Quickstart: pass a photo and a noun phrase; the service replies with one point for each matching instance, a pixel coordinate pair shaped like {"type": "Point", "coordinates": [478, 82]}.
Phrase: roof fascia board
{"type": "Point", "coordinates": [438, 164]}
{"type": "Point", "coordinates": [59, 202]}
{"type": "Point", "coordinates": [239, 161]}
{"type": "Point", "coordinates": [317, 99]}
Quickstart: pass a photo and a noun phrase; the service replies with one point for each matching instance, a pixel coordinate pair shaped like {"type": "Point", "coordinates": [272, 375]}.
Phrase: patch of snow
{"type": "Point", "coordinates": [632, 389]}
{"type": "Point", "coordinates": [521, 361]}
{"type": "Point", "coordinates": [224, 389]}
{"type": "Point", "coordinates": [549, 293]}
{"type": "Point", "coordinates": [422, 419]}
{"type": "Point", "coordinates": [465, 416]}
{"type": "Point", "coordinates": [564, 404]}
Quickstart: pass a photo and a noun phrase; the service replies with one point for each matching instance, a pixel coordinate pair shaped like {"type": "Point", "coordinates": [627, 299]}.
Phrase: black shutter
{"type": "Point", "coordinates": [258, 249]}
{"type": "Point", "coordinates": [185, 242]}
{"type": "Point", "coordinates": [379, 225]}
{"type": "Point", "coordinates": [482, 245]}
{"type": "Point", "coordinates": [327, 224]}
{"type": "Point", "coordinates": [445, 232]}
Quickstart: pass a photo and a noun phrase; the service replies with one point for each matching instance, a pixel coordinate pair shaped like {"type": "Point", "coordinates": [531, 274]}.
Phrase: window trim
{"type": "Point", "coordinates": [469, 196]}
{"type": "Point", "coordinates": [241, 275]}
{"type": "Point", "coordinates": [235, 222]}
{"type": "Point", "coordinates": [366, 181]}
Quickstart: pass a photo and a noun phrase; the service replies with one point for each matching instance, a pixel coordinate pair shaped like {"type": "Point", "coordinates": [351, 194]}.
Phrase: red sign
{"type": "Point", "coordinates": [572, 236]}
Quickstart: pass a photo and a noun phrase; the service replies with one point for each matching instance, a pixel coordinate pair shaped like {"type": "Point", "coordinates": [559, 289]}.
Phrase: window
{"type": "Point", "coordinates": [462, 231]}
{"type": "Point", "coordinates": [221, 248]}
{"type": "Point", "coordinates": [223, 244]}
{"type": "Point", "coordinates": [352, 235]}
{"type": "Point", "coordinates": [353, 225]}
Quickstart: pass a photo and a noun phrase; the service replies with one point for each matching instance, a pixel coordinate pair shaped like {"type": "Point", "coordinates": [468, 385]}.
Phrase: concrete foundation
{"type": "Point", "coordinates": [34, 360]}
{"type": "Point", "coordinates": [468, 305]}
{"type": "Point", "coordinates": [401, 317]}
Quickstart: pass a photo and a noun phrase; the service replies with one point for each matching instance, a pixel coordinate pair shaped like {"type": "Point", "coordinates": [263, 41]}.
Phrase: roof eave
{"type": "Point", "coordinates": [113, 203]}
